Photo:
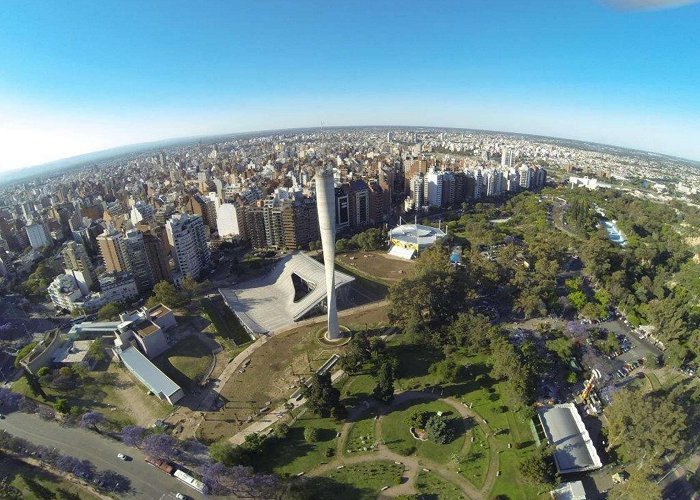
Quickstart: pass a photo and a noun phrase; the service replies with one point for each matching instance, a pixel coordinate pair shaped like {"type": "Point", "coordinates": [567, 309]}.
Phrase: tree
{"type": "Point", "coordinates": [159, 445]}
{"type": "Point", "coordinates": [239, 482]}
{"type": "Point", "coordinates": [322, 396]}
{"type": "Point", "coordinates": [439, 429]}
{"type": "Point", "coordinates": [473, 331]}
{"type": "Point", "coordinates": [649, 425]}
{"type": "Point", "coordinates": [418, 419]}
{"type": "Point", "coordinates": [111, 311]}
{"type": "Point", "coordinates": [312, 434]}
{"type": "Point", "coordinates": [96, 350]}
{"type": "Point", "coordinates": [23, 352]}
{"type": "Point", "coordinates": [384, 390]}
{"type": "Point", "coordinates": [447, 371]}
{"type": "Point", "coordinates": [165, 293]}
{"type": "Point", "coordinates": [92, 420]}
{"type": "Point", "coordinates": [434, 294]}
{"type": "Point", "coordinates": [222, 451]}
{"type": "Point", "coordinates": [132, 435]}
{"type": "Point", "coordinates": [638, 485]}
{"type": "Point", "coordinates": [537, 467]}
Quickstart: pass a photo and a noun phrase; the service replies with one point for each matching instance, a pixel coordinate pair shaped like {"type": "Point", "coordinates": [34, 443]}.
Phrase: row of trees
{"type": "Point", "coordinates": [371, 239]}
{"type": "Point", "coordinates": [105, 480]}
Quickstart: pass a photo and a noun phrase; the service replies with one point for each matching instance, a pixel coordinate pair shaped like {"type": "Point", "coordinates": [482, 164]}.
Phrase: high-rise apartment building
{"type": "Point", "coordinates": [157, 257]}
{"type": "Point", "coordinates": [112, 250]}
{"type": "Point", "coordinates": [137, 262]}
{"type": "Point", "coordinates": [525, 177]}
{"type": "Point", "coordinates": [300, 223]}
{"type": "Point", "coordinates": [188, 243]}
{"type": "Point", "coordinates": [432, 187]}
{"type": "Point", "coordinates": [75, 258]}
{"type": "Point", "coordinates": [38, 237]}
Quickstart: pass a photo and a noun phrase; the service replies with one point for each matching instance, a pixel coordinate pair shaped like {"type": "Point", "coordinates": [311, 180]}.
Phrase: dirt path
{"type": "Point", "coordinates": [414, 465]}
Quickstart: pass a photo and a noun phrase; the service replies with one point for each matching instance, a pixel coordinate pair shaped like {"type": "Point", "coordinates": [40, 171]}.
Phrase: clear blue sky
{"type": "Point", "coordinates": [83, 76]}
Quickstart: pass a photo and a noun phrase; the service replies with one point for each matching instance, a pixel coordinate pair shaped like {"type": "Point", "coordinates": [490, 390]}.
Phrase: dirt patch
{"type": "Point", "coordinates": [275, 371]}
{"type": "Point", "coordinates": [143, 409]}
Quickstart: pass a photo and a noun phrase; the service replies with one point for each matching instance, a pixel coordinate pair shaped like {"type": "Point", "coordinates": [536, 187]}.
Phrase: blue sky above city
{"type": "Point", "coordinates": [76, 77]}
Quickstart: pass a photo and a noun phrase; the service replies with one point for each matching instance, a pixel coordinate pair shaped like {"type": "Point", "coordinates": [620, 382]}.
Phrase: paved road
{"type": "Point", "coordinates": [146, 481]}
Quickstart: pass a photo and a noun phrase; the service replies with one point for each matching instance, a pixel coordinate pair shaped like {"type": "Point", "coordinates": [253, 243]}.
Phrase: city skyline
{"type": "Point", "coordinates": [112, 76]}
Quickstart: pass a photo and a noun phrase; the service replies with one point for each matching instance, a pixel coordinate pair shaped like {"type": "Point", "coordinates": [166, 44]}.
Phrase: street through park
{"type": "Point", "coordinates": [147, 482]}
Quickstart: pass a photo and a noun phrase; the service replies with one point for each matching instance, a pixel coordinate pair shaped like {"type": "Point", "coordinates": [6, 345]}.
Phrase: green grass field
{"type": "Point", "coordinates": [34, 483]}
{"type": "Point", "coordinates": [361, 481]}
{"type": "Point", "coordinates": [430, 485]}
{"type": "Point", "coordinates": [397, 436]}
{"type": "Point", "coordinates": [293, 454]}
{"type": "Point", "coordinates": [186, 362]}
{"type": "Point", "coordinates": [474, 464]}
{"type": "Point", "coordinates": [361, 436]}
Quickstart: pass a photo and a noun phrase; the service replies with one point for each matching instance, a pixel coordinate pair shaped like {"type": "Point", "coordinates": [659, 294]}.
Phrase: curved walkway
{"type": "Point", "coordinates": [413, 465]}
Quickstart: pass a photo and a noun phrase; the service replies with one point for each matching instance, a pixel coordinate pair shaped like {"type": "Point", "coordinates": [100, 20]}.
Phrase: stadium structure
{"type": "Point", "coordinates": [408, 240]}
{"type": "Point", "coordinates": [294, 289]}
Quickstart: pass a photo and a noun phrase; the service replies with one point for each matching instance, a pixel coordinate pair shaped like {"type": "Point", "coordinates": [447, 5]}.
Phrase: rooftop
{"type": "Point", "coordinates": [159, 311]}
{"type": "Point", "coordinates": [148, 373]}
{"type": "Point", "coordinates": [72, 351]}
{"type": "Point", "coordinates": [145, 327]}
{"type": "Point", "coordinates": [267, 303]}
{"type": "Point", "coordinates": [566, 431]}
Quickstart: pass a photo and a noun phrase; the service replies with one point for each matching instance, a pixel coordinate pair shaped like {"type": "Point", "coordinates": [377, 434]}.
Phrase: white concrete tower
{"type": "Point", "coordinates": [325, 202]}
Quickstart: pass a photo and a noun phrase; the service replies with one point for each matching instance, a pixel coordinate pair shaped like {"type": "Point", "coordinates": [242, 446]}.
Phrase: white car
{"type": "Point", "coordinates": [121, 456]}
{"type": "Point", "coordinates": [180, 496]}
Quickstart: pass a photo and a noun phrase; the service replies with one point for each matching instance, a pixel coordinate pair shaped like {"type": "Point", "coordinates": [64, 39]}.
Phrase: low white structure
{"type": "Point", "coordinates": [574, 449]}
{"type": "Point", "coordinates": [65, 293]}
{"type": "Point", "coordinates": [293, 290]}
{"type": "Point", "coordinates": [73, 352]}
{"type": "Point", "coordinates": [573, 490]}
{"type": "Point", "coordinates": [408, 240]}
{"type": "Point", "coordinates": [150, 375]}
{"type": "Point", "coordinates": [118, 287]}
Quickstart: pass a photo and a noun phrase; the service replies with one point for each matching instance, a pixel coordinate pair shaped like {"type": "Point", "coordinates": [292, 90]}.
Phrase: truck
{"type": "Point", "coordinates": [166, 467]}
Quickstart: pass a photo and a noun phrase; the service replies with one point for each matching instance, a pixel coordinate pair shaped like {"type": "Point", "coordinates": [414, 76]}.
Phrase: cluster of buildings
{"type": "Point", "coordinates": [136, 339]}
{"type": "Point", "coordinates": [116, 228]}
{"type": "Point", "coordinates": [446, 188]}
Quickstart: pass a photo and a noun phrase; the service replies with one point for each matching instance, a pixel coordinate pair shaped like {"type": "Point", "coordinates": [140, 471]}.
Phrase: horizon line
{"type": "Point", "coordinates": [184, 139]}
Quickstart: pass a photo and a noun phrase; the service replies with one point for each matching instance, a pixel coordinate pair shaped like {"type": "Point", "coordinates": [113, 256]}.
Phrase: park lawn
{"type": "Point", "coordinates": [35, 483]}
{"type": "Point", "coordinates": [187, 362]}
{"type": "Point", "coordinates": [225, 322]}
{"type": "Point", "coordinates": [653, 380]}
{"type": "Point", "coordinates": [361, 436]}
{"type": "Point", "coordinates": [510, 427]}
{"type": "Point", "coordinates": [362, 481]}
{"type": "Point", "coordinates": [430, 485]}
{"type": "Point", "coordinates": [474, 464]}
{"type": "Point", "coordinates": [293, 454]}
{"type": "Point", "coordinates": [397, 436]}
{"type": "Point", "coordinates": [414, 362]}
{"type": "Point", "coordinates": [358, 386]}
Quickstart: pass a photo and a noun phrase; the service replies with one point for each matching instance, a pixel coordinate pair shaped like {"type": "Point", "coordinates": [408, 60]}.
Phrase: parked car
{"type": "Point", "coordinates": [122, 456]}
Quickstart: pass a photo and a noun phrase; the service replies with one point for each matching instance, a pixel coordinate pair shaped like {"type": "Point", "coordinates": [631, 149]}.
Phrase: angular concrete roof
{"type": "Point", "coordinates": [267, 304]}
{"type": "Point", "coordinates": [566, 431]}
